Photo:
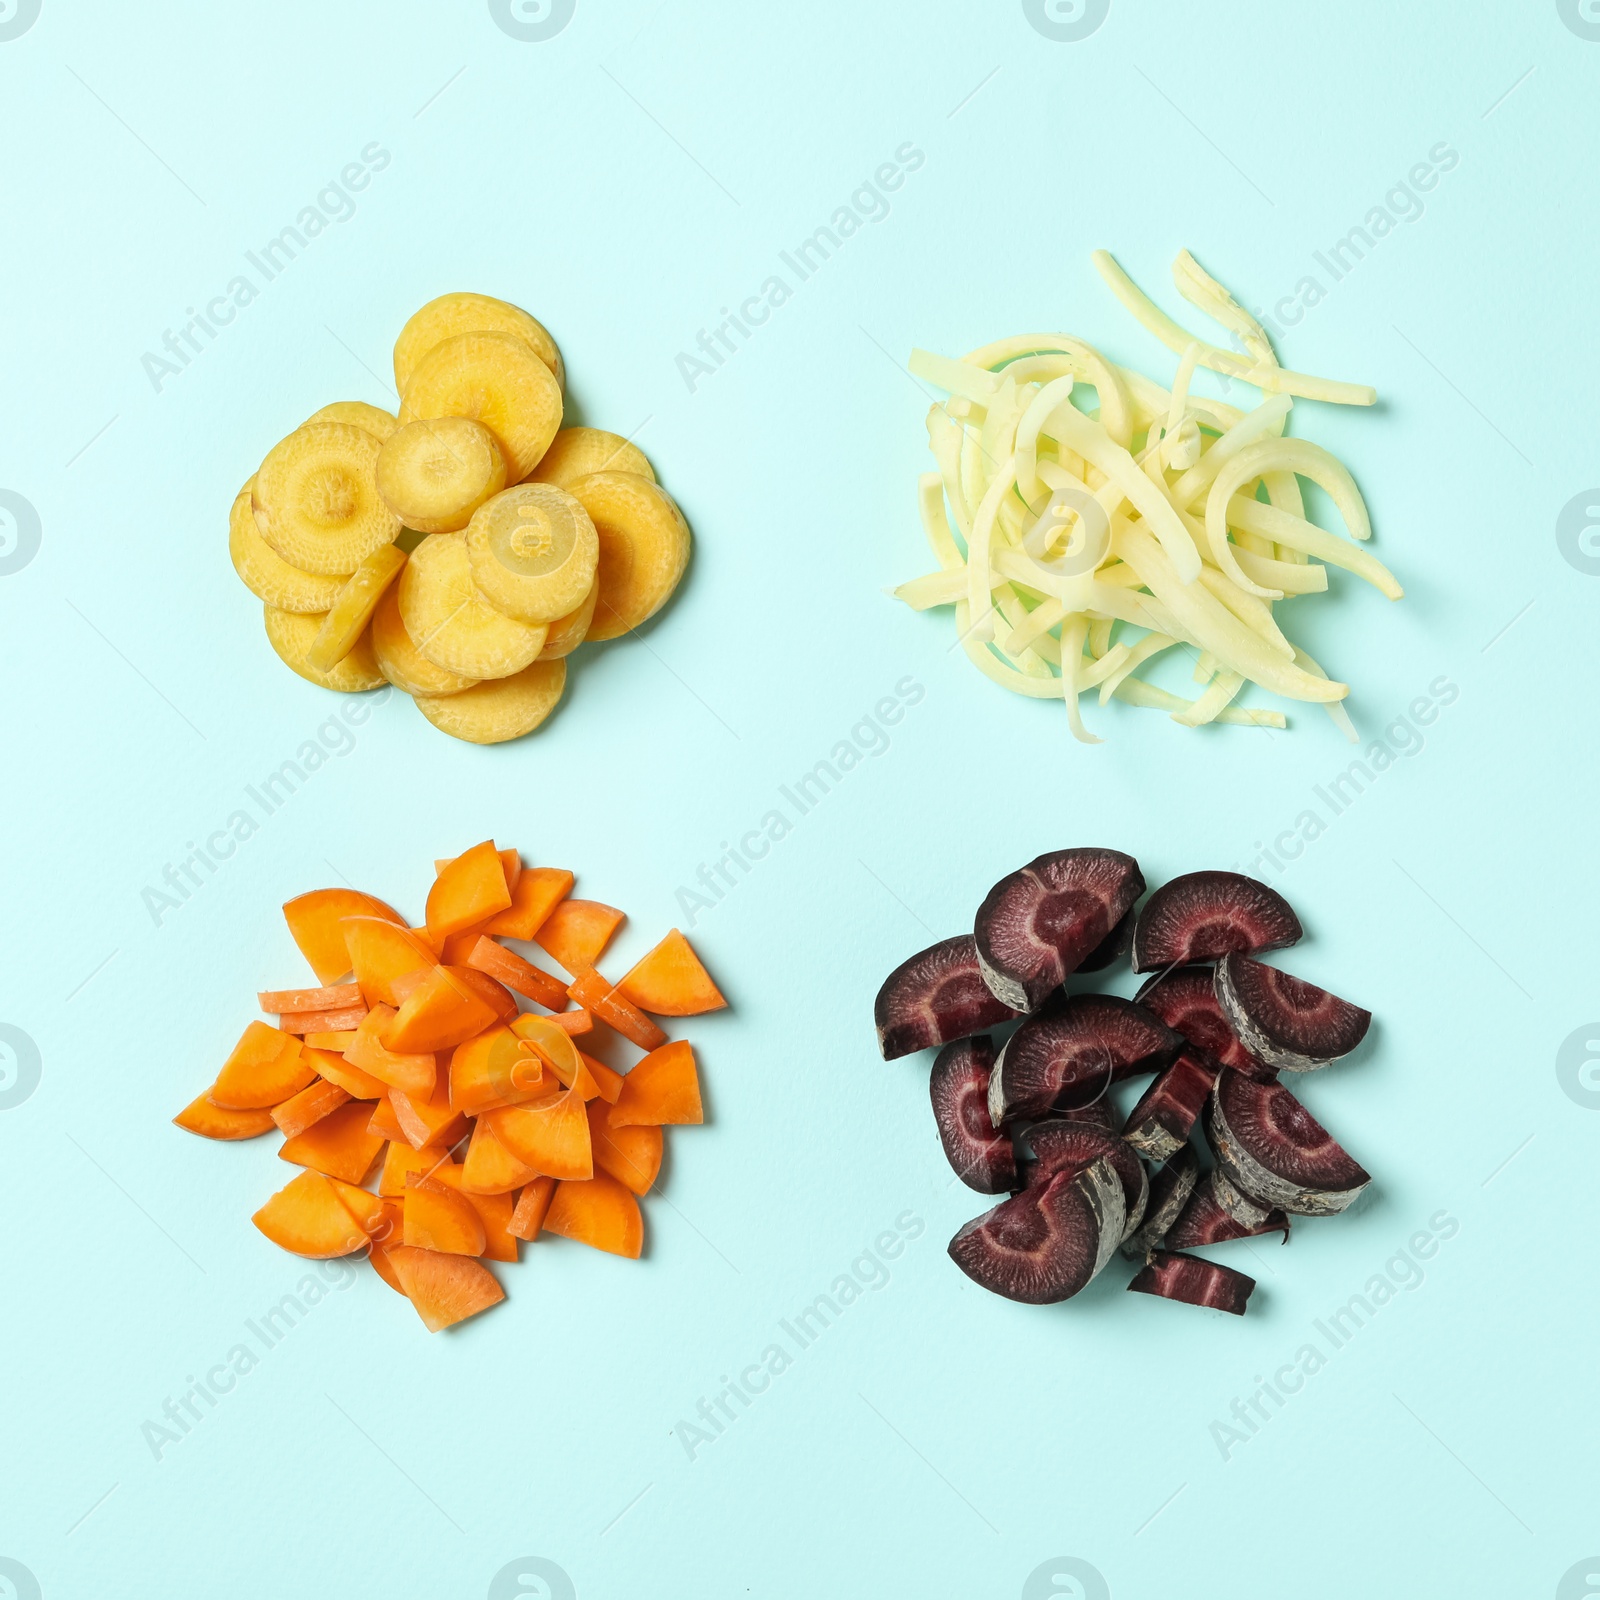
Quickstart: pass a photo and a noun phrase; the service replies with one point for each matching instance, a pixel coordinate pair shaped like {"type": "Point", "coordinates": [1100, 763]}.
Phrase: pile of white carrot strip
{"type": "Point", "coordinates": [1076, 544]}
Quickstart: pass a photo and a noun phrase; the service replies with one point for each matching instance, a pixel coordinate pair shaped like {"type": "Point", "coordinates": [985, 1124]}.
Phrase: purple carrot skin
{"type": "Point", "coordinates": [1185, 998]}
{"type": "Point", "coordinates": [1040, 923]}
{"type": "Point", "coordinates": [1203, 1221]}
{"type": "Point", "coordinates": [1045, 1244]}
{"type": "Point", "coordinates": [1065, 1145]}
{"type": "Point", "coordinates": [1193, 1281]}
{"type": "Point", "coordinates": [1071, 1052]}
{"type": "Point", "coordinates": [1286, 1022]}
{"type": "Point", "coordinates": [1161, 1123]}
{"type": "Point", "coordinates": [959, 1086]}
{"type": "Point", "coordinates": [936, 996]}
{"type": "Point", "coordinates": [1251, 1214]}
{"type": "Point", "coordinates": [1170, 1190]}
{"type": "Point", "coordinates": [1114, 947]}
{"type": "Point", "coordinates": [1203, 916]}
{"type": "Point", "coordinates": [1268, 1145]}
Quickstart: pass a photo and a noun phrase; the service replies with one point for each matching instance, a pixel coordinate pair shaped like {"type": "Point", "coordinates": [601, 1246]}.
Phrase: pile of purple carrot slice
{"type": "Point", "coordinates": [1034, 1118]}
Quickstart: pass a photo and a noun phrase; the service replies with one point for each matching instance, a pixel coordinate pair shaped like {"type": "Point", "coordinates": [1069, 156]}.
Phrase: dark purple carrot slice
{"type": "Point", "coordinates": [981, 1155]}
{"type": "Point", "coordinates": [1066, 1145]}
{"type": "Point", "coordinates": [936, 996]}
{"type": "Point", "coordinates": [1170, 1189]}
{"type": "Point", "coordinates": [1186, 1000]}
{"type": "Point", "coordinates": [1071, 1053]}
{"type": "Point", "coordinates": [1113, 947]}
{"type": "Point", "coordinates": [1204, 1221]}
{"type": "Point", "coordinates": [1193, 1281]}
{"type": "Point", "coordinates": [1160, 1124]}
{"type": "Point", "coordinates": [1039, 923]}
{"type": "Point", "coordinates": [1269, 1146]}
{"type": "Point", "coordinates": [1251, 1214]}
{"type": "Point", "coordinates": [1203, 916]}
{"type": "Point", "coordinates": [1101, 1113]}
{"type": "Point", "coordinates": [1045, 1244]}
{"type": "Point", "coordinates": [1286, 1022]}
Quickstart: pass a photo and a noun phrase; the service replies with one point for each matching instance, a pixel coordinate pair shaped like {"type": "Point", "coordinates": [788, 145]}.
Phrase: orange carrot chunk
{"type": "Point", "coordinates": [492, 1070]}
{"type": "Point", "coordinates": [429, 1119]}
{"type": "Point", "coordinates": [601, 1213]}
{"type": "Point", "coordinates": [364, 1207]}
{"type": "Point", "coordinates": [218, 1122]}
{"type": "Point", "coordinates": [383, 1124]}
{"type": "Point", "coordinates": [552, 1139]}
{"type": "Point", "coordinates": [574, 1022]}
{"type": "Point", "coordinates": [438, 1217]}
{"type": "Point", "coordinates": [536, 893]}
{"type": "Point", "coordinates": [400, 1161]}
{"type": "Point", "coordinates": [490, 1168]}
{"type": "Point", "coordinates": [380, 952]}
{"type": "Point", "coordinates": [314, 924]}
{"type": "Point", "coordinates": [413, 1071]}
{"type": "Point", "coordinates": [356, 1083]}
{"type": "Point", "coordinates": [322, 1021]}
{"type": "Point", "coordinates": [491, 991]}
{"type": "Point", "coordinates": [311, 1105]}
{"type": "Point", "coordinates": [307, 1217]}
{"type": "Point", "coordinates": [334, 997]}
{"type": "Point", "coordinates": [470, 889]}
{"type": "Point", "coordinates": [631, 1155]}
{"type": "Point", "coordinates": [441, 1012]}
{"type": "Point", "coordinates": [338, 1041]}
{"type": "Point", "coordinates": [510, 862]}
{"type": "Point", "coordinates": [589, 989]}
{"type": "Point", "coordinates": [510, 969]}
{"type": "Point", "coordinates": [445, 1289]}
{"type": "Point", "coordinates": [663, 1088]}
{"type": "Point", "coordinates": [341, 1144]}
{"type": "Point", "coordinates": [532, 1205]}
{"type": "Point", "coordinates": [264, 1069]}
{"type": "Point", "coordinates": [577, 931]}
{"type": "Point", "coordinates": [385, 1237]}
{"type": "Point", "coordinates": [671, 982]}
{"type": "Point", "coordinates": [494, 1213]}
{"type": "Point", "coordinates": [608, 1082]}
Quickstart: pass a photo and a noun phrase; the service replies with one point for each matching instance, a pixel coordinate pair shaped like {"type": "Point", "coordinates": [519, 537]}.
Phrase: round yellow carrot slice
{"type": "Point", "coordinates": [291, 634]}
{"type": "Point", "coordinates": [534, 552]}
{"type": "Point", "coordinates": [316, 498]}
{"type": "Point", "coordinates": [644, 547]}
{"type": "Point", "coordinates": [435, 474]}
{"type": "Point", "coordinates": [568, 632]}
{"type": "Point", "coordinates": [265, 573]}
{"type": "Point", "coordinates": [400, 661]}
{"type": "Point", "coordinates": [374, 419]}
{"type": "Point", "coordinates": [496, 379]}
{"type": "Point", "coordinates": [452, 624]}
{"type": "Point", "coordinates": [491, 713]}
{"type": "Point", "coordinates": [451, 314]}
{"type": "Point", "coordinates": [576, 452]}
{"type": "Point", "coordinates": [347, 620]}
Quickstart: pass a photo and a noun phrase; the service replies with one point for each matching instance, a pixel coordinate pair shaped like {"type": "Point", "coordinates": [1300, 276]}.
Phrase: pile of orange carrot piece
{"type": "Point", "coordinates": [484, 1122]}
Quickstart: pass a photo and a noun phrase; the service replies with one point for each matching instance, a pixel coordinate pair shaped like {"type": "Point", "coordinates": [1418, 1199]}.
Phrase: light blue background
{"type": "Point", "coordinates": [625, 180]}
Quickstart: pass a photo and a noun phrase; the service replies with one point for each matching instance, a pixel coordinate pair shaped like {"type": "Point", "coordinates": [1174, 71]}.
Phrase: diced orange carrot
{"type": "Point", "coordinates": [413, 1071]}
{"type": "Point", "coordinates": [470, 889]}
{"type": "Point", "coordinates": [577, 931]}
{"type": "Point", "coordinates": [333, 997]}
{"type": "Point", "coordinates": [438, 1014]}
{"type": "Point", "coordinates": [510, 862]}
{"type": "Point", "coordinates": [664, 1087]}
{"type": "Point", "coordinates": [537, 892]}
{"type": "Point", "coordinates": [385, 1237]}
{"type": "Point", "coordinates": [365, 1208]}
{"type": "Point", "coordinates": [510, 969]}
{"type": "Point", "coordinates": [492, 1070]}
{"type": "Point", "coordinates": [608, 1082]}
{"type": "Point", "coordinates": [341, 1144]}
{"type": "Point", "coordinates": [599, 1212]}
{"type": "Point", "coordinates": [357, 1083]}
{"type": "Point", "coordinates": [438, 1217]}
{"type": "Point", "coordinates": [338, 1042]}
{"type": "Point", "coordinates": [631, 1155]}
{"type": "Point", "coordinates": [532, 1204]}
{"type": "Point", "coordinates": [322, 1021]}
{"type": "Point", "coordinates": [314, 923]}
{"type": "Point", "coordinates": [491, 991]}
{"type": "Point", "coordinates": [428, 1119]}
{"type": "Point", "coordinates": [381, 951]}
{"type": "Point", "coordinates": [445, 1289]}
{"type": "Point", "coordinates": [307, 1217]}
{"type": "Point", "coordinates": [264, 1069]}
{"type": "Point", "coordinates": [400, 1160]}
{"type": "Point", "coordinates": [455, 950]}
{"type": "Point", "coordinates": [553, 1045]}
{"type": "Point", "coordinates": [490, 1168]}
{"type": "Point", "coordinates": [217, 1122]}
{"type": "Point", "coordinates": [671, 982]}
{"type": "Point", "coordinates": [589, 989]}
{"type": "Point", "coordinates": [575, 1021]}
{"type": "Point", "coordinates": [494, 1212]}
{"type": "Point", "coordinates": [384, 1124]}
{"type": "Point", "coordinates": [312, 1104]}
{"type": "Point", "coordinates": [552, 1139]}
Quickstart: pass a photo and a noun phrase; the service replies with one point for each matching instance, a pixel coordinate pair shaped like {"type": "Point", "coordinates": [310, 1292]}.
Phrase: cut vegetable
{"type": "Point", "coordinates": [643, 548]}
{"type": "Point", "coordinates": [374, 419]}
{"type": "Point", "coordinates": [428, 1119]}
{"type": "Point", "coordinates": [266, 574]}
{"type": "Point", "coordinates": [1286, 1022]}
{"type": "Point", "coordinates": [1159, 1126]}
{"type": "Point", "coordinates": [331, 997]}
{"type": "Point", "coordinates": [307, 1022]}
{"type": "Point", "coordinates": [595, 994]}
{"type": "Point", "coordinates": [936, 996]}
{"type": "Point", "coordinates": [509, 968]}
{"type": "Point", "coordinates": [440, 1013]}
{"type": "Point", "coordinates": [438, 1217]}
{"type": "Point", "coordinates": [1204, 1221]}
{"type": "Point", "coordinates": [292, 636]}
{"type": "Point", "coordinates": [1195, 1282]}
{"type": "Point", "coordinates": [1202, 916]}
{"type": "Point", "coordinates": [469, 889]}
{"type": "Point", "coordinates": [664, 1088]}
{"type": "Point", "coordinates": [316, 926]}
{"type": "Point", "coordinates": [434, 474]}
{"type": "Point", "coordinates": [341, 1144]}
{"type": "Point", "coordinates": [490, 1168]}
{"type": "Point", "coordinates": [316, 499]}
{"type": "Point", "coordinates": [671, 982]}
{"type": "Point", "coordinates": [1114, 948]}
{"type": "Point", "coordinates": [533, 1205]}
{"type": "Point", "coordinates": [307, 1218]}
{"type": "Point", "coordinates": [400, 661]}
{"type": "Point", "coordinates": [600, 1212]}
{"type": "Point", "coordinates": [346, 621]}
{"type": "Point", "coordinates": [553, 1139]}
{"type": "Point", "coordinates": [264, 1068]}
{"type": "Point", "coordinates": [568, 632]}
{"type": "Point", "coordinates": [1063, 1145]}
{"type": "Point", "coordinates": [311, 1105]}
{"type": "Point", "coordinates": [452, 624]}
{"type": "Point", "coordinates": [576, 452]}
{"type": "Point", "coordinates": [413, 1072]}
{"type": "Point", "coordinates": [1185, 998]}
{"type": "Point", "coordinates": [534, 552]}
{"type": "Point", "coordinates": [1170, 1190]}
{"type": "Point", "coordinates": [981, 1154]}
{"type": "Point", "coordinates": [452, 314]}
{"type": "Point", "coordinates": [632, 1155]}
{"type": "Point", "coordinates": [575, 932]}
{"type": "Point", "coordinates": [445, 1289]}
{"type": "Point", "coordinates": [537, 892]}
{"type": "Point", "coordinates": [507, 708]}
{"type": "Point", "coordinates": [212, 1121]}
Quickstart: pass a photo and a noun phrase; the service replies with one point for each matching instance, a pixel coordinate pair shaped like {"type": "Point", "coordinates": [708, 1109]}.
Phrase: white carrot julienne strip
{"type": "Point", "coordinates": [1072, 637]}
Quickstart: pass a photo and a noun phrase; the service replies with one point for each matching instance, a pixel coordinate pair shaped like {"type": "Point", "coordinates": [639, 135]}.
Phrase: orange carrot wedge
{"type": "Point", "coordinates": [314, 924]}
{"type": "Point", "coordinates": [400, 1161]}
{"type": "Point", "coordinates": [334, 997]}
{"type": "Point", "coordinates": [311, 1105]}
{"type": "Point", "coordinates": [510, 969]}
{"type": "Point", "coordinates": [307, 1218]}
{"type": "Point", "coordinates": [537, 892]}
{"type": "Point", "coordinates": [631, 1155]}
{"type": "Point", "coordinates": [490, 1168]}
{"type": "Point", "coordinates": [438, 1217]}
{"type": "Point", "coordinates": [510, 862]}
{"type": "Point", "coordinates": [574, 1022]}
{"type": "Point", "coordinates": [380, 952]}
{"type": "Point", "coordinates": [322, 1021]}
{"type": "Point", "coordinates": [663, 1088]}
{"type": "Point", "coordinates": [492, 1070]}
{"type": "Point", "coordinates": [384, 1124]}
{"type": "Point", "coordinates": [441, 1012]}
{"type": "Point", "coordinates": [413, 1071]}
{"type": "Point", "coordinates": [470, 889]}
{"type": "Point", "coordinates": [385, 1237]}
{"type": "Point", "coordinates": [491, 991]}
{"type": "Point", "coordinates": [445, 1289]}
{"type": "Point", "coordinates": [264, 1069]}
{"type": "Point", "coordinates": [589, 989]}
{"type": "Point", "coordinates": [217, 1122]}
{"type": "Point", "coordinates": [671, 982]}
{"type": "Point", "coordinates": [577, 931]}
{"type": "Point", "coordinates": [601, 1213]}
{"type": "Point", "coordinates": [608, 1082]}
{"type": "Point", "coordinates": [494, 1212]}
{"type": "Point", "coordinates": [532, 1205]}
{"type": "Point", "coordinates": [355, 1082]}
{"type": "Point", "coordinates": [455, 950]}
{"type": "Point", "coordinates": [341, 1144]}
{"type": "Point", "coordinates": [428, 1119]}
{"type": "Point", "coordinates": [338, 1042]}
{"type": "Point", "coordinates": [552, 1139]}
{"type": "Point", "coordinates": [365, 1208]}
